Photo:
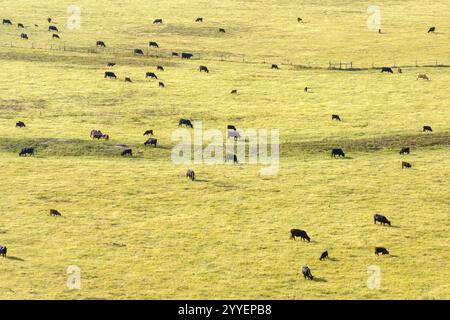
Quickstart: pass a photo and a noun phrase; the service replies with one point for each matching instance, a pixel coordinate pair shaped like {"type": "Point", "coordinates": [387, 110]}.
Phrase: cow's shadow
{"type": "Point", "coordinates": [201, 180]}
{"type": "Point", "coordinates": [14, 258]}
{"type": "Point", "coordinates": [320, 279]}
{"type": "Point", "coordinates": [332, 259]}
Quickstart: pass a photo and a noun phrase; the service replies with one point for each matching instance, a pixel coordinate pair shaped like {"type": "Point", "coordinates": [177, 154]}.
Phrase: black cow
{"type": "Point", "coordinates": [299, 20]}
{"type": "Point", "coordinates": [307, 273]}
{"type": "Point", "coordinates": [151, 141]}
{"type": "Point", "coordinates": [306, 89]}
{"type": "Point", "coordinates": [204, 68]}
{"type": "Point", "coordinates": [157, 21]}
{"type": "Point", "coordinates": [337, 152]}
{"type": "Point", "coordinates": [127, 152]}
{"type": "Point", "coordinates": [127, 79]}
{"type": "Point", "coordinates": [100, 44]}
{"type": "Point", "coordinates": [161, 68]}
{"type": "Point", "coordinates": [231, 127]}
{"type": "Point", "coordinates": [20, 25]}
{"type": "Point", "coordinates": [234, 91]}
{"type": "Point", "coordinates": [274, 66]}
{"type": "Point", "coordinates": [53, 28]}
{"type": "Point", "coordinates": [427, 128]}
{"type": "Point", "coordinates": [153, 44]}
{"type": "Point", "coordinates": [300, 233]}
{"type": "Point", "coordinates": [185, 122]}
{"type": "Point", "coordinates": [20, 124]}
{"type": "Point", "coordinates": [138, 52]}
{"type": "Point", "coordinates": [324, 256]}
{"type": "Point", "coordinates": [381, 250]}
{"type": "Point", "coordinates": [175, 54]}
{"type": "Point", "coordinates": [406, 165]}
{"type": "Point", "coordinates": [109, 74]}
{"type": "Point", "coordinates": [161, 84]}
{"type": "Point", "coordinates": [55, 36]}
{"type": "Point", "coordinates": [222, 30]}
{"type": "Point", "coordinates": [110, 64]}
{"type": "Point", "coordinates": [49, 20]}
{"type": "Point", "coordinates": [190, 174]}
{"type": "Point", "coordinates": [55, 213]}
{"type": "Point", "coordinates": [335, 117]}
{"type": "Point", "coordinates": [25, 151]}
{"type": "Point", "coordinates": [199, 19]}
{"type": "Point", "coordinates": [148, 132]}
{"type": "Point", "coordinates": [404, 150]}
{"type": "Point", "coordinates": [98, 135]}
{"type": "Point", "coordinates": [231, 157]}
{"type": "Point", "coordinates": [381, 219]}
{"type": "Point", "coordinates": [432, 29]}
{"type": "Point", "coordinates": [186, 55]}
{"type": "Point", "coordinates": [386, 69]}
{"type": "Point", "coordinates": [3, 251]}
{"type": "Point", "coordinates": [24, 36]}
{"type": "Point", "coordinates": [7, 21]}
{"type": "Point", "coordinates": [151, 75]}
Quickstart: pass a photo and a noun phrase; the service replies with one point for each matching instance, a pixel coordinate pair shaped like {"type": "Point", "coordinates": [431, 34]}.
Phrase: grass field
{"type": "Point", "coordinates": [138, 228]}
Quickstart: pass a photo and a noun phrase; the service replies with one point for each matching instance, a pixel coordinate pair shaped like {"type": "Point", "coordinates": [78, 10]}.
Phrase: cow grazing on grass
{"type": "Point", "coordinates": [49, 20]}
{"type": "Point", "coordinates": [432, 30]}
{"type": "Point", "coordinates": [335, 117]}
{"type": "Point", "coordinates": [234, 91]}
{"type": "Point", "coordinates": [427, 128]}
{"type": "Point", "coordinates": [161, 84]}
{"type": "Point", "coordinates": [20, 124]}
{"type": "Point", "coordinates": [231, 157]}
{"type": "Point", "coordinates": [55, 36]}
{"type": "Point", "coordinates": [299, 20]}
{"type": "Point", "coordinates": [306, 89]}
{"type": "Point", "coordinates": [199, 19]}
{"type": "Point", "coordinates": [151, 75]}
{"type": "Point", "coordinates": [127, 152]}
{"type": "Point", "coordinates": [7, 21]}
{"type": "Point", "coordinates": [307, 273]}
{"type": "Point", "coordinates": [25, 151]}
{"type": "Point", "coordinates": [55, 213]}
{"type": "Point", "coordinates": [300, 233]}
{"type": "Point", "coordinates": [100, 44]}
{"type": "Point", "coordinates": [150, 142]}
{"type": "Point", "coordinates": [190, 174]}
{"type": "Point", "coordinates": [324, 256]}
{"type": "Point", "coordinates": [275, 66]}
{"type": "Point", "coordinates": [422, 76]}
{"type": "Point", "coordinates": [204, 68]}
{"type": "Point", "coordinates": [381, 219]}
{"type": "Point", "coordinates": [381, 250]}
{"type": "Point", "coordinates": [3, 251]}
{"type": "Point", "coordinates": [109, 74]}
{"type": "Point", "coordinates": [148, 132]}
{"type": "Point", "coordinates": [222, 30]}
{"type": "Point", "coordinates": [186, 55]}
{"type": "Point", "coordinates": [127, 79]}
{"type": "Point", "coordinates": [160, 68]}
{"type": "Point", "coordinates": [406, 165]}
{"type": "Point", "coordinates": [185, 122]}
{"type": "Point", "coordinates": [386, 69]}
{"type": "Point", "coordinates": [231, 127]}
{"type": "Point", "coordinates": [24, 36]}
{"type": "Point", "coordinates": [53, 28]}
{"type": "Point", "coordinates": [156, 21]}
{"type": "Point", "coordinates": [138, 52]}
{"type": "Point", "coordinates": [98, 135]}
{"type": "Point", "coordinates": [110, 64]}
{"type": "Point", "coordinates": [153, 44]}
{"type": "Point", "coordinates": [175, 54]}
{"type": "Point", "coordinates": [404, 150]}
{"type": "Point", "coordinates": [337, 152]}
{"type": "Point", "coordinates": [20, 25]}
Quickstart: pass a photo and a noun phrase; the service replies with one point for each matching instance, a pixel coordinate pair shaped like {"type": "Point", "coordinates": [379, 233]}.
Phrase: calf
{"type": "Point", "coordinates": [174, 54]}
{"type": "Point", "coordinates": [324, 256]}
{"type": "Point", "coordinates": [110, 64]}
{"type": "Point", "coordinates": [127, 152]}
{"type": "Point", "coordinates": [148, 132]}
{"type": "Point", "coordinates": [404, 150]}
{"type": "Point", "coordinates": [427, 128]}
{"type": "Point", "coordinates": [335, 117]}
{"type": "Point", "coordinates": [24, 36]}
{"type": "Point", "coordinates": [406, 165]}
{"type": "Point", "coordinates": [55, 213]}
{"type": "Point", "coordinates": [381, 219]}
{"type": "Point", "coordinates": [307, 273]}
{"type": "Point", "coordinates": [190, 174]}
{"type": "Point", "coordinates": [380, 250]}
{"type": "Point", "coordinates": [127, 79]}
{"type": "Point", "coordinates": [3, 251]}
{"type": "Point", "coordinates": [151, 141]}
{"type": "Point", "coordinates": [20, 124]}
{"type": "Point", "coordinates": [25, 151]}
{"type": "Point", "coordinates": [300, 233]}
{"type": "Point", "coordinates": [337, 152]}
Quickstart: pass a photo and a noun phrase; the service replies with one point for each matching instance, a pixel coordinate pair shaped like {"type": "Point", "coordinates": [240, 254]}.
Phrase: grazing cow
{"type": "Point", "coordinates": [7, 21]}
{"type": "Point", "coordinates": [190, 174]}
{"type": "Point", "coordinates": [185, 122]}
{"type": "Point", "coordinates": [199, 19]}
{"type": "Point", "coordinates": [380, 250]}
{"type": "Point", "coordinates": [231, 127]}
{"type": "Point", "coordinates": [234, 91]}
{"type": "Point", "coordinates": [160, 68]}
{"type": "Point", "coordinates": [337, 152]}
{"type": "Point", "coordinates": [432, 30]}
{"type": "Point", "coordinates": [148, 132]}
{"type": "Point", "coordinates": [175, 54]}
{"type": "Point", "coordinates": [49, 20]}
{"type": "Point", "coordinates": [153, 44]}
{"type": "Point", "coordinates": [324, 256]}
{"type": "Point", "coordinates": [55, 36]}
{"type": "Point", "coordinates": [98, 135]}
{"type": "Point", "coordinates": [93, 132]}
{"type": "Point", "coordinates": [186, 55]}
{"type": "Point", "coordinates": [307, 273]}
{"type": "Point", "coordinates": [151, 141]}
{"type": "Point", "coordinates": [231, 157]}
{"type": "Point", "coordinates": [222, 30]}
{"type": "Point", "coordinates": [422, 76]}
{"type": "Point", "coordinates": [110, 64]}
{"type": "Point", "coordinates": [306, 89]}
{"type": "Point", "coordinates": [404, 150]}
{"type": "Point", "coordinates": [127, 79]}
{"type": "Point", "coordinates": [274, 66]}
{"type": "Point", "coordinates": [25, 151]}
{"type": "Point", "coordinates": [127, 152]}
{"type": "Point", "coordinates": [24, 36]}
{"type": "Point", "coordinates": [299, 20]}
{"type": "Point", "coordinates": [381, 219]}
{"type": "Point", "coordinates": [109, 74]}
{"type": "Point", "coordinates": [53, 28]}
{"type": "Point", "coordinates": [3, 251]}
{"type": "Point", "coordinates": [20, 124]}
{"type": "Point", "coordinates": [335, 117]}
{"type": "Point", "coordinates": [100, 44]}
{"type": "Point", "coordinates": [138, 52]}
{"type": "Point", "coordinates": [20, 25]}
{"type": "Point", "coordinates": [157, 21]}
{"type": "Point", "coordinates": [204, 68]}
{"type": "Point", "coordinates": [55, 213]}
{"type": "Point", "coordinates": [161, 84]}
{"type": "Point", "coordinates": [151, 75]}
{"type": "Point", "coordinates": [233, 134]}
{"type": "Point", "coordinates": [427, 128]}
{"type": "Point", "coordinates": [406, 165]}
{"type": "Point", "coordinates": [300, 233]}
{"type": "Point", "coordinates": [386, 69]}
